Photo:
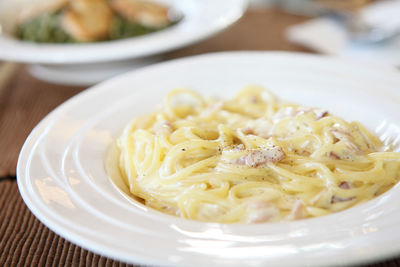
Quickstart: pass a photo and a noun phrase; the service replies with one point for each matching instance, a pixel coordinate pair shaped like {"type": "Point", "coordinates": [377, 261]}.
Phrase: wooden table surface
{"type": "Point", "coordinates": [24, 101]}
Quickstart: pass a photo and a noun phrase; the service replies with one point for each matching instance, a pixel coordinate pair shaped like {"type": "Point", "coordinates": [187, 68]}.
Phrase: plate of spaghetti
{"type": "Point", "coordinates": [236, 158]}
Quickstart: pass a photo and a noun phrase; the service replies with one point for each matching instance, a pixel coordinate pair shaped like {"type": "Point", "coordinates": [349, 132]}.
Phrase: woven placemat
{"type": "Point", "coordinates": [27, 242]}
{"type": "Point", "coordinates": [23, 103]}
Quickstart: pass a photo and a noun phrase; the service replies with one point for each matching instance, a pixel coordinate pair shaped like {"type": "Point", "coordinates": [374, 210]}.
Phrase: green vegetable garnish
{"type": "Point", "coordinates": [44, 29]}
{"type": "Point", "coordinates": [47, 29]}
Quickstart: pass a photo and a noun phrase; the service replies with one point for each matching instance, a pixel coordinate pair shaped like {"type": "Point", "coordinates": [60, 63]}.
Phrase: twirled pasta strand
{"type": "Point", "coordinates": [251, 159]}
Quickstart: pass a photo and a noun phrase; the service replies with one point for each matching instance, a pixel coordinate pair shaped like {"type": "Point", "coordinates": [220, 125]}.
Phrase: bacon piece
{"type": "Point", "coordinates": [239, 147]}
{"type": "Point", "coordinates": [352, 148]}
{"type": "Point", "coordinates": [333, 155]}
{"type": "Point", "coordinates": [336, 199]}
{"type": "Point", "coordinates": [346, 185]}
{"type": "Point", "coordinates": [260, 204]}
{"type": "Point", "coordinates": [241, 160]}
{"type": "Point", "coordinates": [260, 157]}
{"type": "Point", "coordinates": [320, 113]}
{"type": "Point", "coordinates": [254, 99]}
{"type": "Point", "coordinates": [248, 130]}
{"type": "Point", "coordinates": [341, 135]}
{"type": "Point", "coordinates": [297, 210]}
{"type": "Point", "coordinates": [321, 195]}
{"type": "Point", "coordinates": [261, 211]}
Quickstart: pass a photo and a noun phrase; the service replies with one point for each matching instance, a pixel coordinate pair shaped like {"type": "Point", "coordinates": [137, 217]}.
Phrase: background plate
{"type": "Point", "coordinates": [62, 179]}
{"type": "Point", "coordinates": [201, 20]}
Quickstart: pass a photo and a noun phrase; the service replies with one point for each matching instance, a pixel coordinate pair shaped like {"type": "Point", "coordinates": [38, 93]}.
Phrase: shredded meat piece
{"type": "Point", "coordinates": [261, 211]}
{"type": "Point", "coordinates": [333, 155]}
{"type": "Point", "coordinates": [341, 135]}
{"type": "Point", "coordinates": [336, 199]}
{"type": "Point", "coordinates": [319, 113]}
{"type": "Point", "coordinates": [248, 130]}
{"type": "Point", "coordinates": [346, 185]}
{"type": "Point", "coordinates": [239, 147]}
{"type": "Point", "coordinates": [352, 149]}
{"type": "Point", "coordinates": [253, 99]}
{"type": "Point", "coordinates": [259, 157]}
{"type": "Point", "coordinates": [241, 161]}
{"type": "Point", "coordinates": [297, 210]}
{"type": "Point", "coordinates": [318, 197]}
{"type": "Point", "coordinates": [260, 204]}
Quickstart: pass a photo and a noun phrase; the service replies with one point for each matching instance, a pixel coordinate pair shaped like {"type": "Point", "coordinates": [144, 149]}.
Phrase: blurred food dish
{"type": "Point", "coordinates": [68, 62]}
{"type": "Point", "coordinates": [370, 34]}
{"type": "Point", "coordinates": [65, 21]}
{"type": "Point", "coordinates": [364, 21]}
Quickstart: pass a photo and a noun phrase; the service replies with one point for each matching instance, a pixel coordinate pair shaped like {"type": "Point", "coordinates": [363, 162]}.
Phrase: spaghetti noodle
{"type": "Point", "coordinates": [251, 159]}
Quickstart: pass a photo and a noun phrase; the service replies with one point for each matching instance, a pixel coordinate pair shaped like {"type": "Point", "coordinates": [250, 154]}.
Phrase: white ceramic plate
{"type": "Point", "coordinates": [62, 178]}
{"type": "Point", "coordinates": [201, 19]}
{"type": "Point", "coordinates": [87, 64]}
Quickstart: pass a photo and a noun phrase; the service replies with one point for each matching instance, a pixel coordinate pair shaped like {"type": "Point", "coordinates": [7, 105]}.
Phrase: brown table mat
{"type": "Point", "coordinates": [26, 242]}
{"type": "Point", "coordinates": [24, 101]}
